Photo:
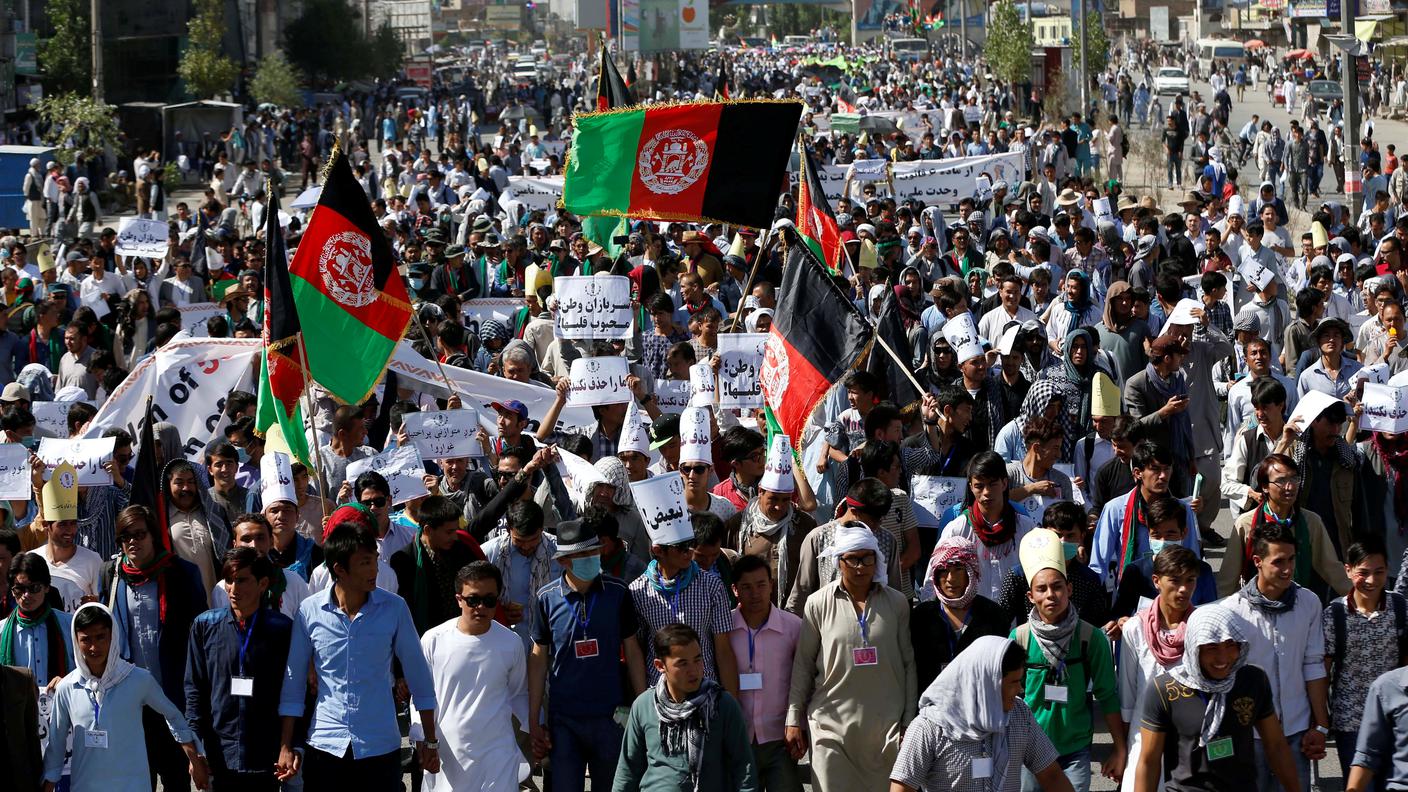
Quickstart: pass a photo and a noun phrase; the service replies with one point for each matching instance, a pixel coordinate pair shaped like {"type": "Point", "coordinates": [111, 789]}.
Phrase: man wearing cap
{"type": "Point", "coordinates": [1332, 373]}
{"type": "Point", "coordinates": [700, 258]}
{"type": "Point", "coordinates": [665, 438]}
{"type": "Point", "coordinates": [1095, 449]}
{"type": "Point", "coordinates": [76, 570]}
{"type": "Point", "coordinates": [453, 277]}
{"type": "Point", "coordinates": [1070, 667]}
{"type": "Point", "coordinates": [586, 622]}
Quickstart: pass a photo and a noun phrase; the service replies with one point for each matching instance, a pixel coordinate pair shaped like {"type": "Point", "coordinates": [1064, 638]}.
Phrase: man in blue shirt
{"type": "Point", "coordinates": [351, 633]}
{"type": "Point", "coordinates": [234, 665]}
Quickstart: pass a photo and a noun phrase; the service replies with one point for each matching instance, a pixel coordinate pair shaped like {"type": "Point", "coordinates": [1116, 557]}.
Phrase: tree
{"type": "Point", "coordinates": [204, 68]}
{"type": "Point", "coordinates": [276, 82]}
{"type": "Point", "coordinates": [66, 58]}
{"type": "Point", "coordinates": [1099, 40]}
{"type": "Point", "coordinates": [326, 42]}
{"type": "Point", "coordinates": [1009, 45]}
{"type": "Point", "coordinates": [387, 51]}
{"type": "Point", "coordinates": [75, 123]}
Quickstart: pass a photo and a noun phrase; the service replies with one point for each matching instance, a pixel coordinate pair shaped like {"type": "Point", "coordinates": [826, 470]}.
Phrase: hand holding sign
{"type": "Point", "coordinates": [598, 380]}
{"type": "Point", "coordinates": [88, 457]}
{"type": "Point", "coordinates": [402, 468]}
{"type": "Point", "coordinates": [444, 435]}
{"type": "Point", "coordinates": [593, 307]}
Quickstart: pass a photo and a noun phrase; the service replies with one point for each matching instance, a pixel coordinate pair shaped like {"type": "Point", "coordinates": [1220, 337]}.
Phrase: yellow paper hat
{"type": "Point", "coordinates": [1041, 549]}
{"type": "Point", "coordinates": [536, 277]}
{"type": "Point", "coordinates": [869, 257]}
{"type": "Point", "coordinates": [1104, 397]}
{"type": "Point", "coordinates": [739, 247]}
{"type": "Point", "coordinates": [1319, 237]}
{"type": "Point", "coordinates": [60, 494]}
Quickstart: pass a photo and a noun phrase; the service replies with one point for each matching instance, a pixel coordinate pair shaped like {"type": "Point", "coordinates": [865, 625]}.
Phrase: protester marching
{"type": "Point", "coordinates": [770, 418]}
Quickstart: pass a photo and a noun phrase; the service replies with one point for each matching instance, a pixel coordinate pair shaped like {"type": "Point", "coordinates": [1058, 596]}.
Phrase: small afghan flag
{"type": "Point", "coordinates": [723, 162]}
{"type": "Point", "coordinates": [352, 303]}
{"type": "Point", "coordinates": [815, 222]}
{"type": "Point", "coordinates": [611, 90]}
{"type": "Point", "coordinates": [804, 357]}
{"type": "Point", "coordinates": [279, 413]}
{"type": "Point", "coordinates": [723, 88]}
{"type": "Point", "coordinates": [772, 41]}
{"type": "Point", "coordinates": [147, 489]}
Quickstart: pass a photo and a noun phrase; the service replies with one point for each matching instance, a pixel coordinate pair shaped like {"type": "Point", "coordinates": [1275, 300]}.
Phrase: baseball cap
{"type": "Point", "coordinates": [513, 406]}
{"type": "Point", "coordinates": [14, 392]}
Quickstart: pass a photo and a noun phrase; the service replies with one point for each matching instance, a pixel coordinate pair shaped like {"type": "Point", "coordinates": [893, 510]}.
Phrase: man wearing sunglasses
{"type": "Point", "coordinates": [477, 667]}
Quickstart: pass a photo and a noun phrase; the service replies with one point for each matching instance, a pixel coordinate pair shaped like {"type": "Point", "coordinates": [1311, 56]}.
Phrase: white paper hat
{"type": "Point", "coordinates": [696, 444]}
{"type": "Point", "coordinates": [1008, 340]}
{"type": "Point", "coordinates": [1235, 206]}
{"type": "Point", "coordinates": [701, 385]}
{"type": "Point", "coordinates": [777, 474]}
{"type": "Point", "coordinates": [660, 501]}
{"type": "Point", "coordinates": [634, 436]}
{"type": "Point", "coordinates": [1309, 408]}
{"type": "Point", "coordinates": [276, 479]}
{"type": "Point", "coordinates": [1182, 314]}
{"type": "Point", "coordinates": [1256, 274]}
{"type": "Point", "coordinates": [962, 334]}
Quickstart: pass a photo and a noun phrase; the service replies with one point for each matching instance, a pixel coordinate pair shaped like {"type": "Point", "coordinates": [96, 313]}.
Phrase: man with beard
{"type": "Point", "coordinates": [75, 569]}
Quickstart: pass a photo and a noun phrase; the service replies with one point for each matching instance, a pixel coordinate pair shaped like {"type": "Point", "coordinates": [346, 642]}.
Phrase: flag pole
{"type": "Point", "coordinates": [752, 273]}
{"type": "Point", "coordinates": [448, 384]}
{"type": "Point", "coordinates": [313, 424]}
{"type": "Point", "coordinates": [903, 365]}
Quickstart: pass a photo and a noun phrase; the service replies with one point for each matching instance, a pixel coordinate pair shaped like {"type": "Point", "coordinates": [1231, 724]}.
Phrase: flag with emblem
{"type": "Point", "coordinates": [611, 90]}
{"type": "Point", "coordinates": [352, 303]}
{"type": "Point", "coordinates": [278, 415]}
{"type": "Point", "coordinates": [720, 162]}
{"type": "Point", "coordinates": [815, 222]}
{"type": "Point", "coordinates": [804, 357]}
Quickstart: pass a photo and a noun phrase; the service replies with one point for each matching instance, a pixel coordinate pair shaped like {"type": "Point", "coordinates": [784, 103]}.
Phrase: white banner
{"type": "Point", "coordinates": [672, 396]}
{"type": "Point", "coordinates": [195, 315]}
{"type": "Point", "coordinates": [599, 380]}
{"type": "Point", "coordinates": [478, 310]}
{"type": "Point", "coordinates": [741, 356]}
{"type": "Point", "coordinates": [86, 456]}
{"type": "Point", "coordinates": [188, 381]}
{"type": "Point", "coordinates": [533, 192]}
{"type": "Point", "coordinates": [145, 238]}
{"type": "Point", "coordinates": [403, 469]}
{"type": "Point", "coordinates": [593, 306]}
{"type": "Point", "coordinates": [942, 182]}
{"type": "Point", "coordinates": [444, 435]}
{"type": "Point", "coordinates": [51, 417]}
{"type": "Point", "coordinates": [932, 495]}
{"type": "Point", "coordinates": [14, 472]}
{"type": "Point", "coordinates": [424, 375]}
{"type": "Point", "coordinates": [1385, 409]}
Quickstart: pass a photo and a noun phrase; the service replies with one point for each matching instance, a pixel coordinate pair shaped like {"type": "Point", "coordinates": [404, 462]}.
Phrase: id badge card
{"type": "Point", "coordinates": [585, 648]}
{"type": "Point", "coordinates": [242, 686]}
{"type": "Point", "coordinates": [750, 681]}
{"type": "Point", "coordinates": [1220, 749]}
{"type": "Point", "coordinates": [95, 739]}
{"type": "Point", "coordinates": [1056, 694]}
{"type": "Point", "coordinates": [865, 656]}
{"type": "Point", "coordinates": [982, 767]}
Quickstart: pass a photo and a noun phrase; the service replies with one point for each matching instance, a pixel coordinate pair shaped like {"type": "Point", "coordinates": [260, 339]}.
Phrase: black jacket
{"type": "Point", "coordinates": [185, 600]}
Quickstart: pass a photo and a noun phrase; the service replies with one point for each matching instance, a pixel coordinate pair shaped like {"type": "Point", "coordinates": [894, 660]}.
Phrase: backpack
{"type": "Point", "coordinates": [1084, 631]}
{"type": "Point", "coordinates": [1340, 616]}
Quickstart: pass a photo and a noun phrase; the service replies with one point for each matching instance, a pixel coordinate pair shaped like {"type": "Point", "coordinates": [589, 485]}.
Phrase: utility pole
{"type": "Point", "coordinates": [963, 28]}
{"type": "Point", "coordinates": [97, 15]}
{"type": "Point", "coordinates": [1349, 78]}
{"type": "Point", "coordinates": [1084, 76]}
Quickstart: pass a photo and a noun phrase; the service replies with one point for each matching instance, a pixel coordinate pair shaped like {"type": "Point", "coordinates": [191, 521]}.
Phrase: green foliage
{"type": "Point", "coordinates": [326, 43]}
{"type": "Point", "coordinates": [786, 19]}
{"type": "Point", "coordinates": [75, 123]}
{"type": "Point", "coordinates": [1009, 44]}
{"type": "Point", "coordinates": [1099, 56]}
{"type": "Point", "coordinates": [205, 70]}
{"type": "Point", "coordinates": [276, 82]}
{"type": "Point", "coordinates": [66, 58]}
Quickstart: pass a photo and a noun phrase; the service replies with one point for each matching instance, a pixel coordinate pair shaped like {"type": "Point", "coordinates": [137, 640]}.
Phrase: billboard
{"type": "Point", "coordinates": [673, 25]}
{"type": "Point", "coordinates": [870, 14]}
{"type": "Point", "coordinates": [630, 25]}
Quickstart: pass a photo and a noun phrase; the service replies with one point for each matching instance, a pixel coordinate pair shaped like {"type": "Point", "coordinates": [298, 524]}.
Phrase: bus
{"type": "Point", "coordinates": [908, 49]}
{"type": "Point", "coordinates": [1225, 51]}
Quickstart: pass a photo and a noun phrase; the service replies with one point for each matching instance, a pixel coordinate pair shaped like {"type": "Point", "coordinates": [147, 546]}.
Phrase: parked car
{"type": "Point", "coordinates": [1171, 80]}
{"type": "Point", "coordinates": [1326, 91]}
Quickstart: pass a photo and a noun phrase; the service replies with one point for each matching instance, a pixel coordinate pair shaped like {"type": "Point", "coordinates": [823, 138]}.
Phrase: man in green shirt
{"type": "Point", "coordinates": [1068, 662]}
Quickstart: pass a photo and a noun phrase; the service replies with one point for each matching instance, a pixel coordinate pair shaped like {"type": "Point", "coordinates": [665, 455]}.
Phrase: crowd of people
{"type": "Point", "coordinates": [1095, 378]}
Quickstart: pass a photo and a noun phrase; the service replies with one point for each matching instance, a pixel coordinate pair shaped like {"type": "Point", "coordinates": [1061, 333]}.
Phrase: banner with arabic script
{"type": "Point", "coordinates": [593, 307]}
{"type": "Point", "coordinates": [741, 358]}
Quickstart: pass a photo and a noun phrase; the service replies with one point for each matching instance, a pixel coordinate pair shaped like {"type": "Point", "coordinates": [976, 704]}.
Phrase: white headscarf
{"type": "Point", "coordinates": [756, 316]}
{"type": "Point", "coordinates": [966, 699]}
{"type": "Point", "coordinates": [117, 669]}
{"type": "Point", "coordinates": [856, 536]}
{"type": "Point", "coordinates": [613, 471]}
{"type": "Point", "coordinates": [1210, 624]}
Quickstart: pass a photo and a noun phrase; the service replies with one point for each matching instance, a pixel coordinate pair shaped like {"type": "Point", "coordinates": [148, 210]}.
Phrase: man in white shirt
{"type": "Point", "coordinates": [1288, 643]}
{"type": "Point", "coordinates": [253, 530]}
{"type": "Point", "coordinates": [75, 570]}
{"type": "Point", "coordinates": [1010, 310]}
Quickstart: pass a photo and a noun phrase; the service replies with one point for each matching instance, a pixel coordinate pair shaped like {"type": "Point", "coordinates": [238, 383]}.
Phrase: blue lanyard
{"type": "Point", "coordinates": [953, 635]}
{"type": "Point", "coordinates": [97, 708]}
{"type": "Point", "coordinates": [674, 602]}
{"type": "Point", "coordinates": [863, 620]}
{"type": "Point", "coordinates": [589, 604]}
{"type": "Point", "coordinates": [244, 647]}
{"type": "Point", "coordinates": [751, 638]}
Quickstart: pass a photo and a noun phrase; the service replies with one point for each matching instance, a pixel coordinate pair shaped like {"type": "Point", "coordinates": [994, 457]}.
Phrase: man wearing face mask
{"type": "Point", "coordinates": [585, 622]}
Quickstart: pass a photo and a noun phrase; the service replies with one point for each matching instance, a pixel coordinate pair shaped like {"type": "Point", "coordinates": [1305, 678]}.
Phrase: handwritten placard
{"type": "Point", "coordinates": [701, 385]}
{"type": "Point", "coordinates": [1385, 409]}
{"type": "Point", "coordinates": [145, 238]}
{"type": "Point", "coordinates": [662, 506]}
{"type": "Point", "coordinates": [448, 434]}
{"type": "Point", "coordinates": [14, 472]}
{"type": "Point", "coordinates": [741, 358]}
{"type": "Point", "coordinates": [51, 417]}
{"type": "Point", "coordinates": [672, 396]}
{"type": "Point", "coordinates": [402, 468]}
{"type": "Point", "coordinates": [593, 307]}
{"type": "Point", "coordinates": [86, 456]}
{"type": "Point", "coordinates": [598, 380]}
{"type": "Point", "coordinates": [933, 495]}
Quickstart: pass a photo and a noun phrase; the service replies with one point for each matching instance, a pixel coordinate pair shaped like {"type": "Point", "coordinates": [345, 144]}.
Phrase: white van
{"type": "Point", "coordinates": [907, 49]}
{"type": "Point", "coordinates": [1224, 51]}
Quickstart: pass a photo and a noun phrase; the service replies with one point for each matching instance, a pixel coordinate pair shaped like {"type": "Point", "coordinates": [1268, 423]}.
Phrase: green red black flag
{"type": "Point", "coordinates": [697, 162]}
{"type": "Point", "coordinates": [146, 480]}
{"type": "Point", "coordinates": [611, 90]}
{"type": "Point", "coordinates": [815, 222]}
{"type": "Point", "coordinates": [805, 356]}
{"type": "Point", "coordinates": [282, 377]}
{"type": "Point", "coordinates": [723, 86]}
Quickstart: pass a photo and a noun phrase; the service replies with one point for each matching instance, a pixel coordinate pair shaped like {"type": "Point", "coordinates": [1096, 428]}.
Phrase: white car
{"type": "Point", "coordinates": [1171, 80]}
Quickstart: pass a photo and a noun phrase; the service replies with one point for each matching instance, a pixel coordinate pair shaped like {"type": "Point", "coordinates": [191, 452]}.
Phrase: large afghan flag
{"type": "Point", "coordinates": [720, 162]}
{"type": "Point", "coordinates": [817, 335]}
{"type": "Point", "coordinates": [281, 377]}
{"type": "Point", "coordinates": [815, 222]}
{"type": "Point", "coordinates": [352, 303]}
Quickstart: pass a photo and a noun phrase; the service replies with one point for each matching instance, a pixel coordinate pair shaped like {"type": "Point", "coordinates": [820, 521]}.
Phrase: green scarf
{"type": "Point", "coordinates": [278, 584]}
{"type": "Point", "coordinates": [58, 652]}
